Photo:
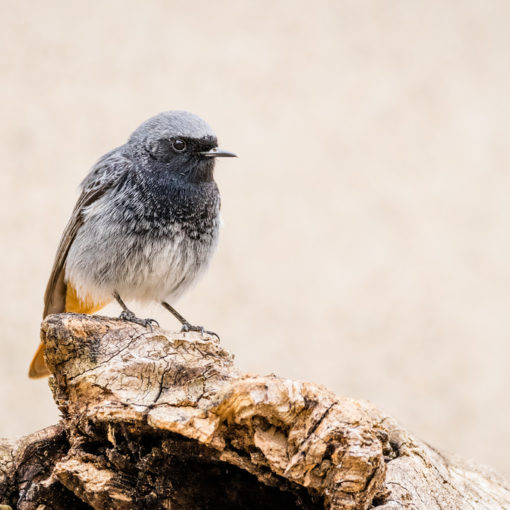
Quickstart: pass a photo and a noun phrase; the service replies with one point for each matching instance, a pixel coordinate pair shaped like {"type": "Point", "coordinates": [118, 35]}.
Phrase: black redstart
{"type": "Point", "coordinates": [145, 225]}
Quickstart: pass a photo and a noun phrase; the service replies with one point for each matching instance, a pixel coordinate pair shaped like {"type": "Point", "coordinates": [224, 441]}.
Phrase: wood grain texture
{"type": "Point", "coordinates": [153, 419]}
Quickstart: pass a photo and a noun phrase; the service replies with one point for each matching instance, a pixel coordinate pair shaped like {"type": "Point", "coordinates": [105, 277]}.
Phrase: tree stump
{"type": "Point", "coordinates": [153, 419]}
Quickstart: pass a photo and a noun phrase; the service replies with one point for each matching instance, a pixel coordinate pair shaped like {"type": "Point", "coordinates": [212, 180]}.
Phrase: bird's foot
{"type": "Point", "coordinates": [186, 326]}
{"type": "Point", "coordinates": [129, 316]}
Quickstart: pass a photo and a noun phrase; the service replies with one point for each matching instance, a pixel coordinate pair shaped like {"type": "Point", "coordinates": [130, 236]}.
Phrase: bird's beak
{"type": "Point", "coordinates": [218, 153]}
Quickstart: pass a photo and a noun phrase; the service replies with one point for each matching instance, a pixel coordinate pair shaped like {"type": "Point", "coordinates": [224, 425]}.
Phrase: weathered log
{"type": "Point", "coordinates": [153, 419]}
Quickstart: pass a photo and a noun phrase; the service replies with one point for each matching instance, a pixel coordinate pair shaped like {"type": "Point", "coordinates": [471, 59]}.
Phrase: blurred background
{"type": "Point", "coordinates": [366, 222]}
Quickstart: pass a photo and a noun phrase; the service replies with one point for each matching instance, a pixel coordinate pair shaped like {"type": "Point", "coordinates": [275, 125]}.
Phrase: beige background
{"type": "Point", "coordinates": [366, 238]}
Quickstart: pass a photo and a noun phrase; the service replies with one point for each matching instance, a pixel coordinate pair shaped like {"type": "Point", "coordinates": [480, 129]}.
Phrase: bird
{"type": "Point", "coordinates": [145, 225]}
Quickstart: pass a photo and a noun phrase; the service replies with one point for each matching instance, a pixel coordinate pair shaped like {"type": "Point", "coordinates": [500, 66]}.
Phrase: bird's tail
{"type": "Point", "coordinates": [73, 304]}
{"type": "Point", "coordinates": [38, 366]}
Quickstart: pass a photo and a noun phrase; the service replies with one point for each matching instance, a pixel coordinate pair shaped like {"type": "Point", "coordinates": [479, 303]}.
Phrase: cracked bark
{"type": "Point", "coordinates": [152, 419]}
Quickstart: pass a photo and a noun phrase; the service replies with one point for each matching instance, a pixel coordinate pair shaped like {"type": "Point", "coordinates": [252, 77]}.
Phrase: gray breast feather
{"type": "Point", "coordinates": [106, 257]}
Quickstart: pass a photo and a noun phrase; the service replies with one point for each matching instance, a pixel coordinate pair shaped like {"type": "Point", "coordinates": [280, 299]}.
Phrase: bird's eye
{"type": "Point", "coordinates": [179, 145]}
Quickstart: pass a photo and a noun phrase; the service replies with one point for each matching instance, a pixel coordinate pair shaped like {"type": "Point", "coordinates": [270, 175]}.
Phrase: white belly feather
{"type": "Point", "coordinates": [103, 260]}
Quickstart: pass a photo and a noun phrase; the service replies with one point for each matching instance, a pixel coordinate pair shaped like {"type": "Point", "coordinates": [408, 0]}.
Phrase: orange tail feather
{"type": "Point", "coordinates": [38, 366]}
{"type": "Point", "coordinates": [74, 304]}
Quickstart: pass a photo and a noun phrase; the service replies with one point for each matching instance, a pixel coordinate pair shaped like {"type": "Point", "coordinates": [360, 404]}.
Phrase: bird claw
{"type": "Point", "coordinates": [200, 329]}
{"type": "Point", "coordinates": [131, 317]}
{"type": "Point", "coordinates": [150, 322]}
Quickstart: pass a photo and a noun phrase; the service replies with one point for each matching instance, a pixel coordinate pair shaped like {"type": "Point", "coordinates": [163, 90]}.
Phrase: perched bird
{"type": "Point", "coordinates": [145, 225]}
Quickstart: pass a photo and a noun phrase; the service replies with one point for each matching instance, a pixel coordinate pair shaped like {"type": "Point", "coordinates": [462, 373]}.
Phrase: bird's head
{"type": "Point", "coordinates": [178, 143]}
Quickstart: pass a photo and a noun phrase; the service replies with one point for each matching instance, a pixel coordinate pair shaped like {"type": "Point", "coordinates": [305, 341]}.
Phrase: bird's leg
{"type": "Point", "coordinates": [186, 326]}
{"type": "Point", "coordinates": [128, 315]}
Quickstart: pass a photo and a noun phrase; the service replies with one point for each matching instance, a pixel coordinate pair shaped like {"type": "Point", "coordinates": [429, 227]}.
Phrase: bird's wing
{"type": "Point", "coordinates": [110, 171]}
